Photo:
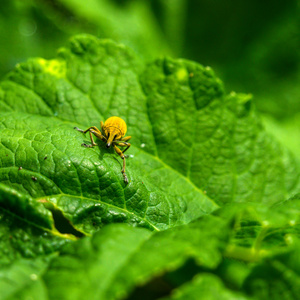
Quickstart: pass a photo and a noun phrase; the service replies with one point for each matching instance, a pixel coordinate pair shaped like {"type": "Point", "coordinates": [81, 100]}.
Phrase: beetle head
{"type": "Point", "coordinates": [111, 137]}
{"type": "Point", "coordinates": [112, 133]}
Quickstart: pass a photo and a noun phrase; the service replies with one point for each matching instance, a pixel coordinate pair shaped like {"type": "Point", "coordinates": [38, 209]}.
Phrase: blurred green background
{"type": "Point", "coordinates": [252, 45]}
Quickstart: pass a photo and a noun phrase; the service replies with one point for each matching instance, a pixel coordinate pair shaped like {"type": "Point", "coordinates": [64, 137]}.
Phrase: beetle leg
{"type": "Point", "coordinates": [91, 130]}
{"type": "Point", "coordinates": [85, 131]}
{"type": "Point", "coordinates": [120, 153]}
{"type": "Point", "coordinates": [92, 140]}
{"type": "Point", "coordinates": [124, 144]}
{"type": "Point", "coordinates": [78, 129]}
{"type": "Point", "coordinates": [98, 134]}
{"type": "Point", "coordinates": [125, 139]}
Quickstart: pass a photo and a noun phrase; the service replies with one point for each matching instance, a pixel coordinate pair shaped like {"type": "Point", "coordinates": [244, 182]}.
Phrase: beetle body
{"type": "Point", "coordinates": [114, 128]}
{"type": "Point", "coordinates": [112, 133]}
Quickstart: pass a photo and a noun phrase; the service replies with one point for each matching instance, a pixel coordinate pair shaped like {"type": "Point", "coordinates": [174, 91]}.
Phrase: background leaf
{"type": "Point", "coordinates": [23, 279]}
{"type": "Point", "coordinates": [278, 277]}
{"type": "Point", "coordinates": [124, 257]}
{"type": "Point", "coordinates": [206, 285]}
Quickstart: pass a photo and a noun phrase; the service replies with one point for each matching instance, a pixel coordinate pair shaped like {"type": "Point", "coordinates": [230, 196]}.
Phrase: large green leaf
{"type": "Point", "coordinates": [193, 145]}
{"type": "Point", "coordinates": [189, 138]}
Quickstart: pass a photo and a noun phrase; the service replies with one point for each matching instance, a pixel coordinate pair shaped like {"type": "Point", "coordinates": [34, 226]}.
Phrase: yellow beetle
{"type": "Point", "coordinates": [112, 133]}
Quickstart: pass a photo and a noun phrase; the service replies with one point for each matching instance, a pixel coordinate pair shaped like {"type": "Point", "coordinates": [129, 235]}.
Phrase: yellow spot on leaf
{"type": "Point", "coordinates": [182, 74]}
{"type": "Point", "coordinates": [54, 67]}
